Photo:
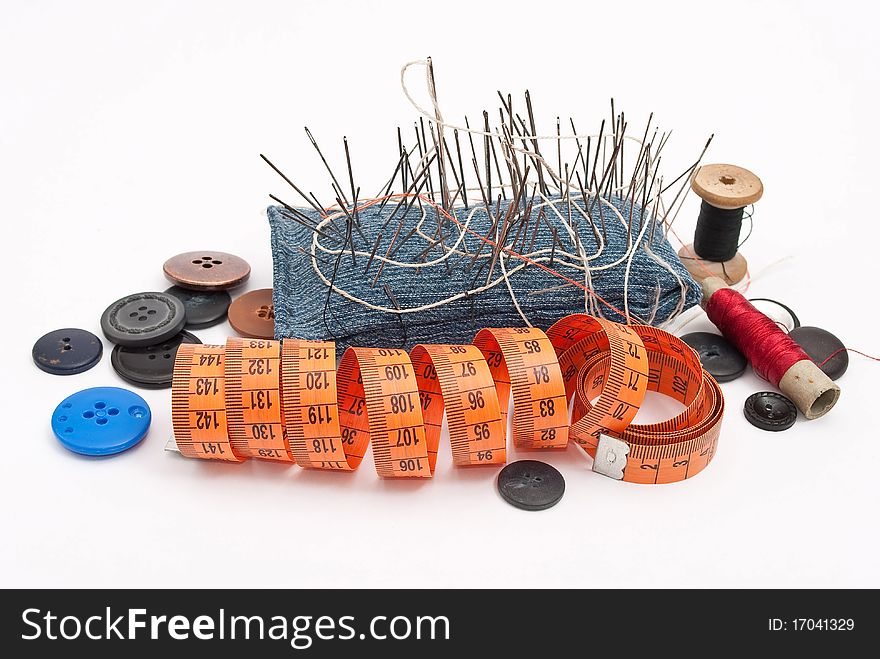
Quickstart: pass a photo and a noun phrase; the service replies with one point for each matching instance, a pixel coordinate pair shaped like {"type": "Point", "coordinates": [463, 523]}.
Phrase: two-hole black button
{"type": "Point", "coordinates": [67, 351]}
{"type": "Point", "coordinates": [530, 485]}
{"type": "Point", "coordinates": [769, 410]}
{"type": "Point", "coordinates": [718, 356]}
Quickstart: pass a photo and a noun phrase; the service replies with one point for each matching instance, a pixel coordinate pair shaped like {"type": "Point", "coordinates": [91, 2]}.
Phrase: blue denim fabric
{"type": "Point", "coordinates": [300, 296]}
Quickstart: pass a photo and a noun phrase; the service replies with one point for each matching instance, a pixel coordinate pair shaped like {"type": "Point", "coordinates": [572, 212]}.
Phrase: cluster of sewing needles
{"type": "Point", "coordinates": [432, 176]}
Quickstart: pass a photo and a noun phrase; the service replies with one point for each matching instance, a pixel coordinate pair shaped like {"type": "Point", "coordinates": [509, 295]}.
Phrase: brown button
{"type": "Point", "coordinates": [207, 271]}
{"type": "Point", "coordinates": [252, 315]}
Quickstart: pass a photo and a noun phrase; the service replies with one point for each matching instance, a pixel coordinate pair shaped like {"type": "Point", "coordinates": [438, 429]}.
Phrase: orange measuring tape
{"type": "Point", "coordinates": [288, 401]}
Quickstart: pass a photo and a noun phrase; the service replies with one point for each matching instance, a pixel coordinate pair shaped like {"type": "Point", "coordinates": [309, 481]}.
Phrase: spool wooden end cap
{"type": "Point", "coordinates": [732, 271]}
{"type": "Point", "coordinates": [727, 186]}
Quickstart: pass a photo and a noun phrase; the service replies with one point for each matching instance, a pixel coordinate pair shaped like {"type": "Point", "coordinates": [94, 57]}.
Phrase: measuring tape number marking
{"type": "Point", "coordinates": [287, 401]}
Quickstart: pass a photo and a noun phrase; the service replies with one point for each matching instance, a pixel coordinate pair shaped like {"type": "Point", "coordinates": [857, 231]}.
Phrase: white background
{"type": "Point", "coordinates": [131, 132]}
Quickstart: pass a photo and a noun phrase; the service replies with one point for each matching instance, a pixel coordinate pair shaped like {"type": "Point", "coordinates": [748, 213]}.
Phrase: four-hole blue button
{"type": "Point", "coordinates": [101, 421]}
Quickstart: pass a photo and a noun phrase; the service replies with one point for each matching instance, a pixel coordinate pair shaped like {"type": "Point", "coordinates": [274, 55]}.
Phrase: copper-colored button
{"type": "Point", "coordinates": [207, 271]}
{"type": "Point", "coordinates": [253, 315]}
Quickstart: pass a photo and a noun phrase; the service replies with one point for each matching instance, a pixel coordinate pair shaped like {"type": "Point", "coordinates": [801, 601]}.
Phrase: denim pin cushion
{"type": "Point", "coordinates": [659, 285]}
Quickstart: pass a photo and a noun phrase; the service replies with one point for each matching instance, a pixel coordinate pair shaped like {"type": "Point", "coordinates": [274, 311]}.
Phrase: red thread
{"type": "Point", "coordinates": [840, 350]}
{"type": "Point", "coordinates": [769, 350]}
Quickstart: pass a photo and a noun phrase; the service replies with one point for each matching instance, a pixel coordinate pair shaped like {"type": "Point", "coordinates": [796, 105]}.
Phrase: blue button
{"type": "Point", "coordinates": [101, 421]}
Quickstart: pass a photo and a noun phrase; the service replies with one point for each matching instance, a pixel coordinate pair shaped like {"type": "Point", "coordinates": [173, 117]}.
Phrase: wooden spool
{"type": "Point", "coordinates": [726, 187]}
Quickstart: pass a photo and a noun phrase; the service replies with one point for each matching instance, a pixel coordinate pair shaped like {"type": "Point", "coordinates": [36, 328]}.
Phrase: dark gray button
{"type": "Point", "coordinates": [819, 344]}
{"type": "Point", "coordinates": [769, 410]}
{"type": "Point", "coordinates": [531, 485]}
{"type": "Point", "coordinates": [67, 351]}
{"type": "Point", "coordinates": [143, 319]}
{"type": "Point", "coordinates": [151, 367]}
{"type": "Point", "coordinates": [203, 308]}
{"type": "Point", "coordinates": [718, 356]}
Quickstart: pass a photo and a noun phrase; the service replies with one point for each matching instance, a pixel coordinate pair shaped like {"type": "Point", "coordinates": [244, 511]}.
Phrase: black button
{"type": "Point", "coordinates": [203, 308]}
{"type": "Point", "coordinates": [769, 410]}
{"type": "Point", "coordinates": [143, 319]}
{"type": "Point", "coordinates": [771, 309]}
{"type": "Point", "coordinates": [531, 485]}
{"type": "Point", "coordinates": [151, 367]}
{"type": "Point", "coordinates": [718, 356]}
{"type": "Point", "coordinates": [67, 351]}
{"type": "Point", "coordinates": [819, 344]}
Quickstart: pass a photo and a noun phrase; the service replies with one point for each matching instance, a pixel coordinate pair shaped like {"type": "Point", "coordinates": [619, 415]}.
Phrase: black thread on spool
{"type": "Point", "coordinates": [717, 235]}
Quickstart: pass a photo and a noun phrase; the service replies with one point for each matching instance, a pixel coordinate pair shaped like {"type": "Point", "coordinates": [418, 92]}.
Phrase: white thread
{"type": "Point", "coordinates": [557, 179]}
{"type": "Point", "coordinates": [578, 261]}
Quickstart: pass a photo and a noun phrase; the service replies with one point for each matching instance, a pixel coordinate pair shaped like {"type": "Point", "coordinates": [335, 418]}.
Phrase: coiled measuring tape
{"type": "Point", "coordinates": [288, 401]}
{"type": "Point", "coordinates": [618, 364]}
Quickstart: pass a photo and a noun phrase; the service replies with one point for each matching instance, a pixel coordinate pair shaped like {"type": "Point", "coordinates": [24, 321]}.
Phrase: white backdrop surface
{"type": "Point", "coordinates": [129, 133]}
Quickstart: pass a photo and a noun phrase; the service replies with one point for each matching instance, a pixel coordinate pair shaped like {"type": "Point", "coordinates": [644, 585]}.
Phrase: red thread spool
{"type": "Point", "coordinates": [771, 352]}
